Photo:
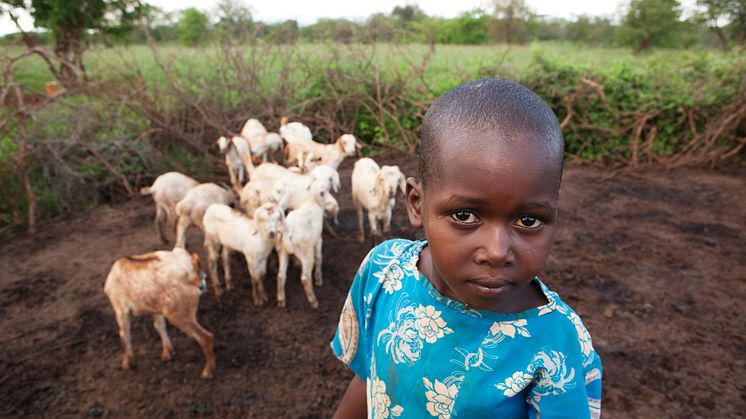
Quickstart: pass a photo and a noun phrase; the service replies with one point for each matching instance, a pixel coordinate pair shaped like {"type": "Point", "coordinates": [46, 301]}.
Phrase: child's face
{"type": "Point", "coordinates": [488, 211]}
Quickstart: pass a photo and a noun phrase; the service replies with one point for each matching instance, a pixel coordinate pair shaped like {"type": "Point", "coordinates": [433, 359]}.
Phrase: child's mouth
{"type": "Point", "coordinates": [490, 286]}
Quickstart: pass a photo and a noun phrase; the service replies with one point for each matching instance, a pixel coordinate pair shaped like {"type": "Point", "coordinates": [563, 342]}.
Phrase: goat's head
{"type": "Point", "coordinates": [224, 144]}
{"type": "Point", "coordinates": [388, 179]}
{"type": "Point", "coordinates": [327, 174]}
{"type": "Point", "coordinates": [348, 144]}
{"type": "Point", "coordinates": [270, 218]}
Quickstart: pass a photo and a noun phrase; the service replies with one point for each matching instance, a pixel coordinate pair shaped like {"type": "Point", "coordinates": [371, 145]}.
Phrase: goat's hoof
{"type": "Point", "coordinates": [206, 374]}
{"type": "Point", "coordinates": [281, 304]}
{"type": "Point", "coordinates": [166, 355]}
{"type": "Point", "coordinates": [318, 282]}
{"type": "Point", "coordinates": [314, 305]}
{"type": "Point", "coordinates": [228, 287]}
{"type": "Point", "coordinates": [126, 362]}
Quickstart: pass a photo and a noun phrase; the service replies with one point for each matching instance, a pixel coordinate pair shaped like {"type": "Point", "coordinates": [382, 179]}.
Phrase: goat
{"type": "Point", "coordinates": [331, 155]}
{"type": "Point", "coordinates": [164, 284]}
{"type": "Point", "coordinates": [237, 157]}
{"type": "Point", "coordinates": [192, 207]}
{"type": "Point", "coordinates": [374, 189]}
{"type": "Point", "coordinates": [167, 190]}
{"type": "Point", "coordinates": [254, 238]}
{"type": "Point", "coordinates": [302, 237]}
{"type": "Point", "coordinates": [261, 142]}
{"type": "Point", "coordinates": [259, 189]}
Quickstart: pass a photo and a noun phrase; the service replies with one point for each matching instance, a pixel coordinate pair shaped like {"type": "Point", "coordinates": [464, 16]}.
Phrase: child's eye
{"type": "Point", "coordinates": [464, 217]}
{"type": "Point", "coordinates": [528, 222]}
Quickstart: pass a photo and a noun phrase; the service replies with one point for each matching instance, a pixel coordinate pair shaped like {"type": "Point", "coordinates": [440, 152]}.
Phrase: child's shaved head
{"type": "Point", "coordinates": [502, 109]}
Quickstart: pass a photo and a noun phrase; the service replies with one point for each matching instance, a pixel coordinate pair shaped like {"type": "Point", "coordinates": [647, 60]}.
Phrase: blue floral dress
{"type": "Point", "coordinates": [423, 355]}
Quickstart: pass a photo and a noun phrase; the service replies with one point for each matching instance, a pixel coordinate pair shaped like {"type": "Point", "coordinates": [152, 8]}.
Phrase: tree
{"type": "Point", "coordinates": [234, 20]}
{"type": "Point", "coordinates": [72, 22]}
{"type": "Point", "coordinates": [511, 20]}
{"type": "Point", "coordinates": [192, 27]}
{"type": "Point", "coordinates": [467, 28]}
{"type": "Point", "coordinates": [337, 30]}
{"type": "Point", "coordinates": [721, 15]}
{"type": "Point", "coordinates": [650, 23]}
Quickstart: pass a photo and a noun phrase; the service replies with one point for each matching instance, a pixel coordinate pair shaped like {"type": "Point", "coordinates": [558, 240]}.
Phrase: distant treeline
{"type": "Point", "coordinates": [644, 24]}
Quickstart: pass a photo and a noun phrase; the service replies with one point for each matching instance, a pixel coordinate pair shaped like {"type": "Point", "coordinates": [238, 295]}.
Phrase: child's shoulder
{"type": "Point", "coordinates": [395, 249]}
{"type": "Point", "coordinates": [565, 321]}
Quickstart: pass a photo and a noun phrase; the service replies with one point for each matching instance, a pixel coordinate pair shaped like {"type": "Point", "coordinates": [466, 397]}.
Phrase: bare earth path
{"type": "Point", "coordinates": [654, 262]}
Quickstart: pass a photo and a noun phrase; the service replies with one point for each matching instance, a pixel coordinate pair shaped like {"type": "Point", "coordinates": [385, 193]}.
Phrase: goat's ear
{"type": "Point", "coordinates": [341, 144]}
{"type": "Point", "coordinates": [402, 183]}
{"type": "Point", "coordinates": [414, 195]}
{"type": "Point", "coordinates": [358, 149]}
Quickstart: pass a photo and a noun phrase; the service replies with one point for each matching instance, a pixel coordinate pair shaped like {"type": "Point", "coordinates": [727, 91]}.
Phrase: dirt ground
{"type": "Point", "coordinates": [653, 261]}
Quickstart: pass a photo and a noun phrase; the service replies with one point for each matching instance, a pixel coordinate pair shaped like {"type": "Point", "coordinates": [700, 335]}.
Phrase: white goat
{"type": "Point", "coordinates": [331, 155]}
{"type": "Point", "coordinates": [162, 284]}
{"type": "Point", "coordinates": [263, 178]}
{"type": "Point", "coordinates": [295, 132]}
{"type": "Point", "coordinates": [192, 207]}
{"type": "Point", "coordinates": [167, 190]}
{"type": "Point", "coordinates": [374, 189]}
{"type": "Point", "coordinates": [262, 143]}
{"type": "Point", "coordinates": [237, 157]}
{"type": "Point", "coordinates": [302, 237]}
{"type": "Point", "coordinates": [254, 238]}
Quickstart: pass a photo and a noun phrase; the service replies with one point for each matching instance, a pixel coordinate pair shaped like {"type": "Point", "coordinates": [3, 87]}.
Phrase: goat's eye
{"type": "Point", "coordinates": [464, 217]}
{"type": "Point", "coordinates": [528, 222]}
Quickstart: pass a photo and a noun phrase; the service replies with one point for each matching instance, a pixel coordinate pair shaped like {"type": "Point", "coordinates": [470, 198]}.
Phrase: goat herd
{"type": "Point", "coordinates": [167, 284]}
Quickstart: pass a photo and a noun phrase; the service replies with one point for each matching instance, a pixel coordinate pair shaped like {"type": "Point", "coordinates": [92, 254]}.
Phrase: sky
{"type": "Point", "coordinates": [307, 12]}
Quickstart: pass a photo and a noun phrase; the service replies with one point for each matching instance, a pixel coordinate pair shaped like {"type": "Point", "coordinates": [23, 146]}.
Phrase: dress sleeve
{"type": "Point", "coordinates": [351, 343]}
{"type": "Point", "coordinates": [567, 388]}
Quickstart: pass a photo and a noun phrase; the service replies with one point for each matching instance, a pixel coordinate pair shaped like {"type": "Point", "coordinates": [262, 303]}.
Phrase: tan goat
{"type": "Point", "coordinates": [164, 284]}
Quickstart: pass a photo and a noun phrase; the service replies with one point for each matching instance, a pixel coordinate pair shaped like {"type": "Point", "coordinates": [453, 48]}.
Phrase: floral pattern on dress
{"type": "Point", "coordinates": [584, 338]}
{"type": "Point", "coordinates": [430, 325]}
{"type": "Point", "coordinates": [548, 373]}
{"type": "Point", "coordinates": [381, 401]}
{"type": "Point", "coordinates": [390, 277]}
{"type": "Point", "coordinates": [410, 329]}
{"type": "Point", "coordinates": [440, 398]}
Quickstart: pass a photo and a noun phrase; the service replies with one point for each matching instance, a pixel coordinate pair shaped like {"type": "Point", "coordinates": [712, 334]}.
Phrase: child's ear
{"type": "Point", "coordinates": [415, 196]}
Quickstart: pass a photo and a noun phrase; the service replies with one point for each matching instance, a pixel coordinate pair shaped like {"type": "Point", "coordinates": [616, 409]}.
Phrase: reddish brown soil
{"type": "Point", "coordinates": [652, 261]}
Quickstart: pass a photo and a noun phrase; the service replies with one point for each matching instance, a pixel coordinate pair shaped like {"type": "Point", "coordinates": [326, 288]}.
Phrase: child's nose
{"type": "Point", "coordinates": [496, 248]}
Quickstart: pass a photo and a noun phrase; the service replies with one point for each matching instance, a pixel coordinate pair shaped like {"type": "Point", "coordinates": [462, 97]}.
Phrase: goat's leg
{"type": "Point", "coordinates": [317, 277]}
{"type": "Point", "coordinates": [387, 220]}
{"type": "Point", "coordinates": [189, 325]}
{"type": "Point", "coordinates": [328, 228]}
{"type": "Point", "coordinates": [360, 228]}
{"type": "Point", "coordinates": [181, 228]}
{"type": "Point", "coordinates": [306, 260]}
{"type": "Point", "coordinates": [234, 180]}
{"type": "Point", "coordinates": [159, 322]}
{"type": "Point", "coordinates": [125, 335]}
{"type": "Point", "coordinates": [212, 266]}
{"type": "Point", "coordinates": [374, 231]}
{"type": "Point", "coordinates": [227, 268]}
{"type": "Point", "coordinates": [159, 214]}
{"type": "Point", "coordinates": [258, 294]}
{"type": "Point", "coordinates": [282, 271]}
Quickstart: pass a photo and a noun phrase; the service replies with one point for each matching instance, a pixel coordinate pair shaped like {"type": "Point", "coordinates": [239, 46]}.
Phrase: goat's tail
{"type": "Point", "coordinates": [146, 190]}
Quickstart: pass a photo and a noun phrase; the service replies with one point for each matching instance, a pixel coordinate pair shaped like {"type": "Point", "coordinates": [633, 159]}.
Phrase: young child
{"type": "Point", "coordinates": [460, 325]}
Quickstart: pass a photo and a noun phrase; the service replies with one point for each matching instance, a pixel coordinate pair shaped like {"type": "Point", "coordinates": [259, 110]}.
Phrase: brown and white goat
{"type": "Point", "coordinates": [163, 284]}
